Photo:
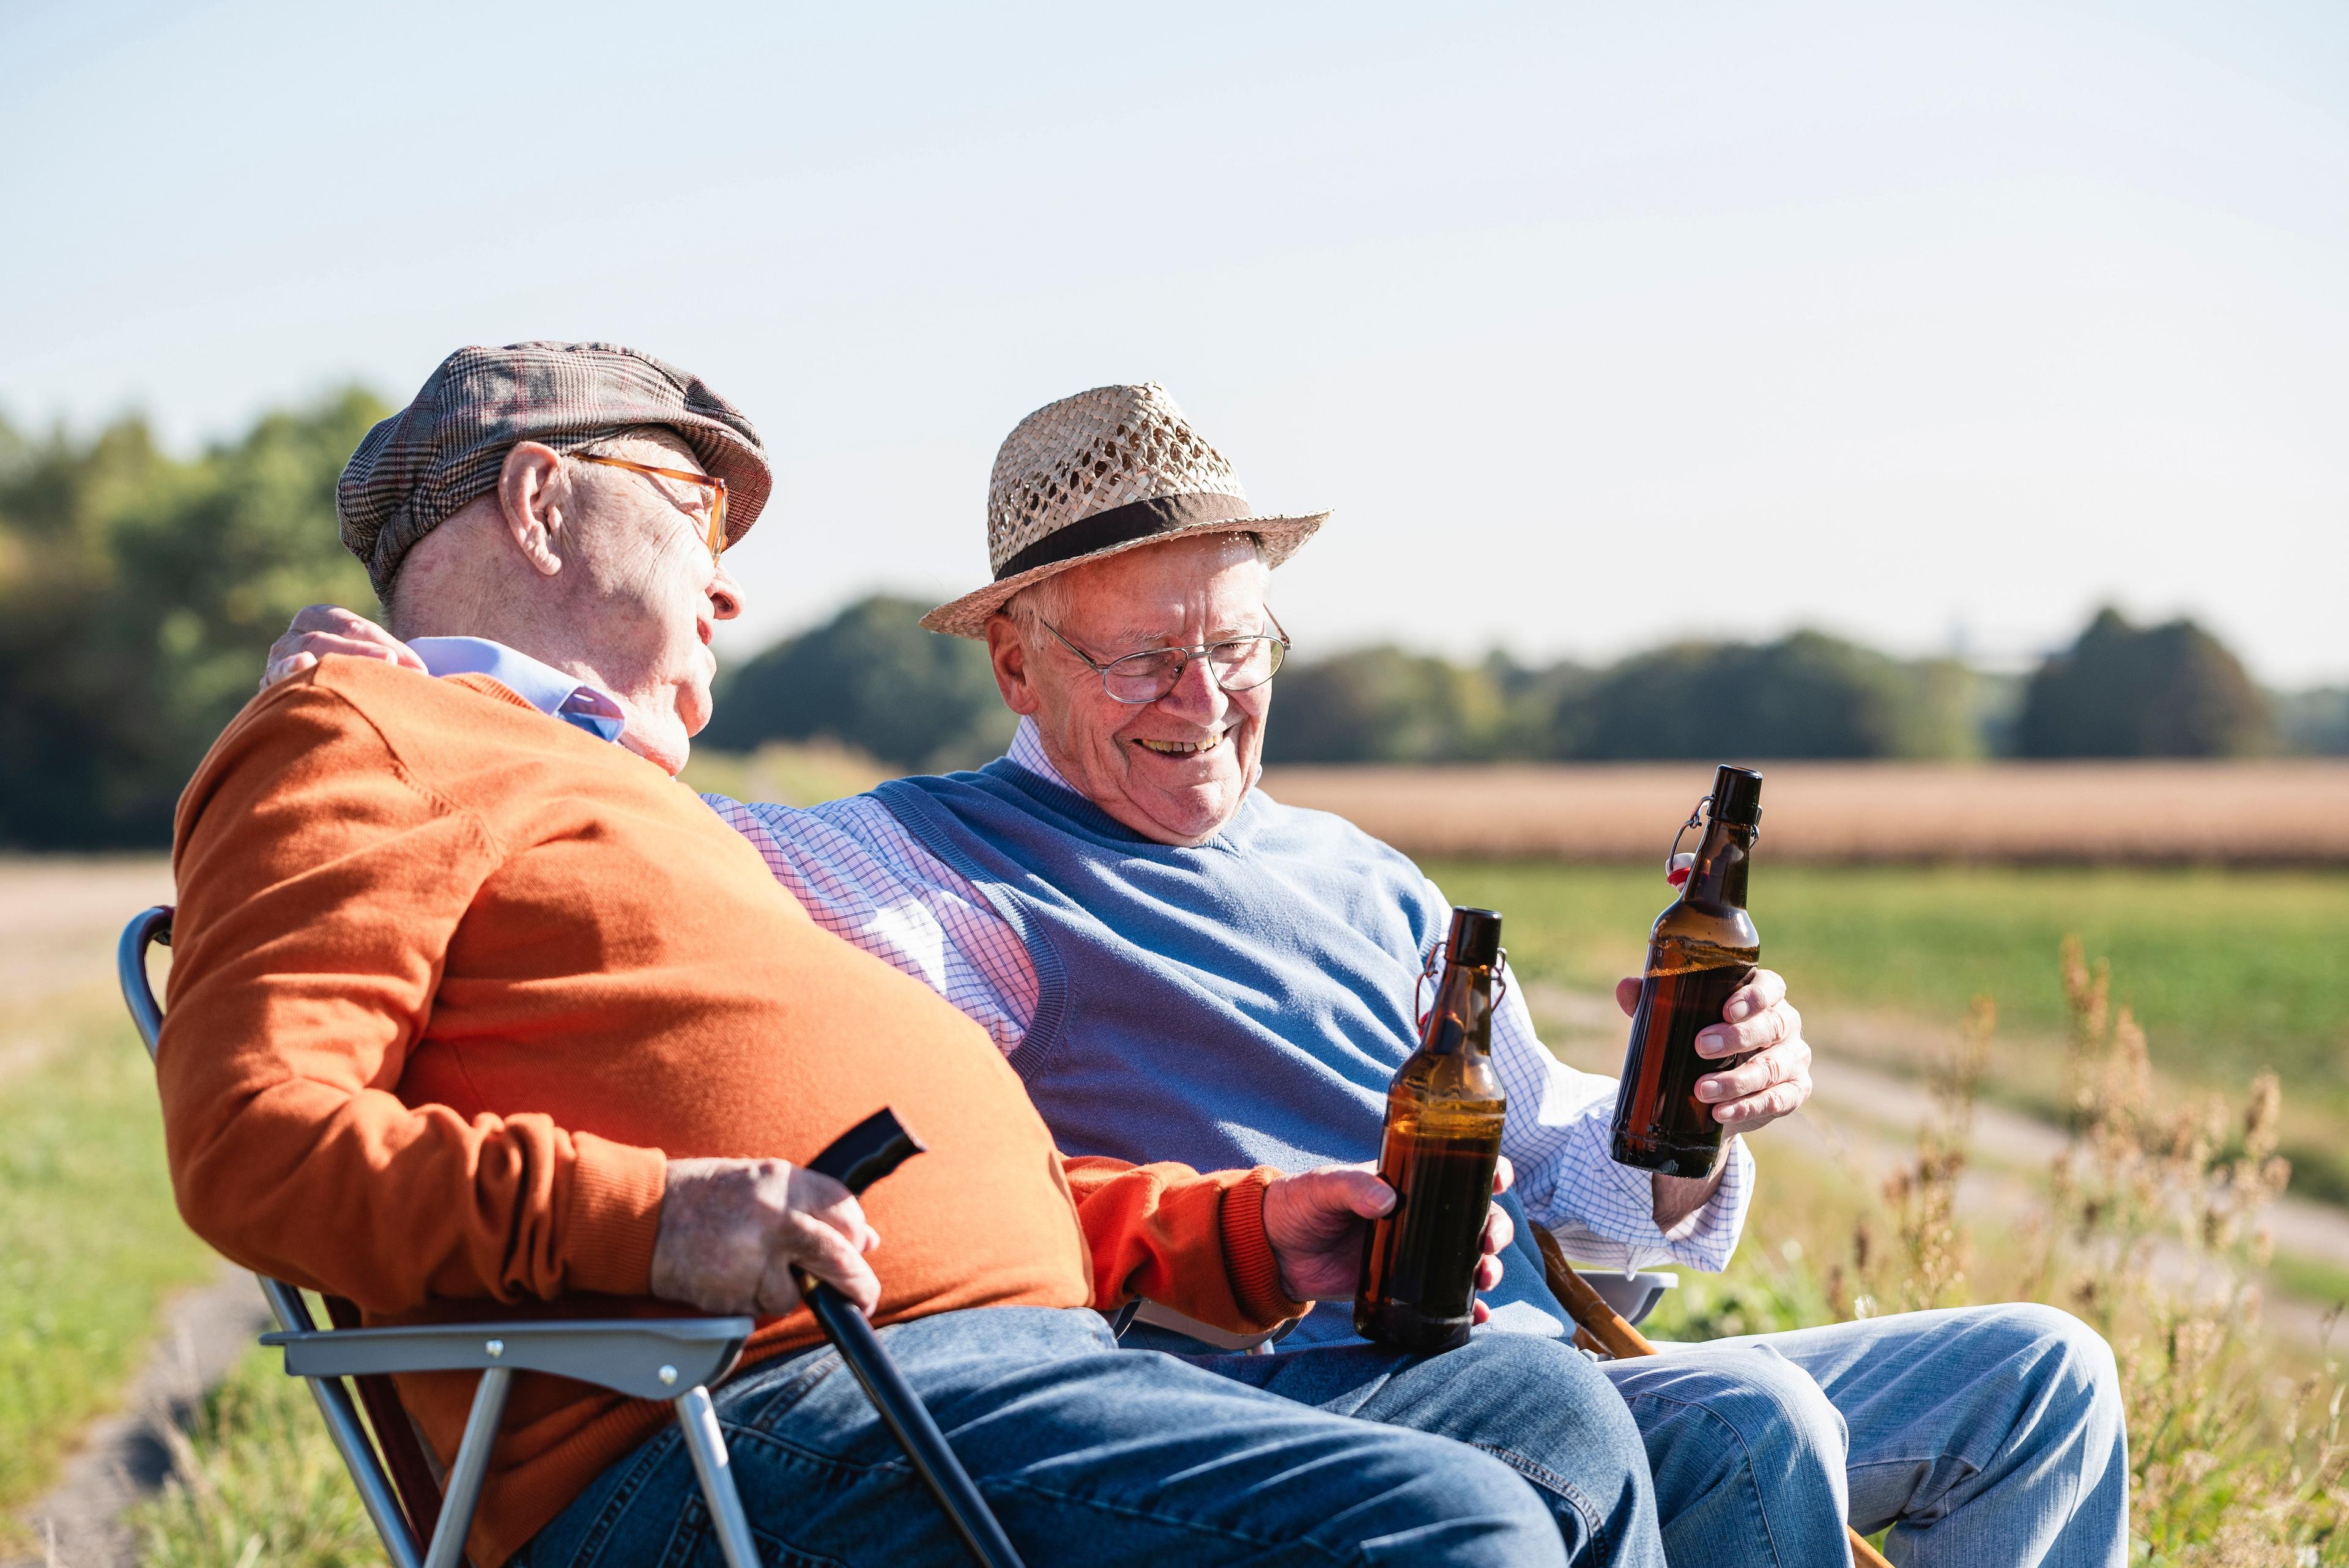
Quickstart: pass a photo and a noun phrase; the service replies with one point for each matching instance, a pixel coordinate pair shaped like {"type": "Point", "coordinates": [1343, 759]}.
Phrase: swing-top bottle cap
{"type": "Point", "coordinates": [1737, 795]}
{"type": "Point", "coordinates": [1475, 937]}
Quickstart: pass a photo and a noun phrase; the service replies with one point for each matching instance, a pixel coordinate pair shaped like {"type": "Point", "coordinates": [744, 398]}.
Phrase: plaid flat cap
{"type": "Point", "coordinates": [416, 469]}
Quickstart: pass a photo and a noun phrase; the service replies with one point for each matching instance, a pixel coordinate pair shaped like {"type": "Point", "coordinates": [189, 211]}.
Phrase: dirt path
{"type": "Point", "coordinates": [59, 923]}
{"type": "Point", "coordinates": [59, 918]}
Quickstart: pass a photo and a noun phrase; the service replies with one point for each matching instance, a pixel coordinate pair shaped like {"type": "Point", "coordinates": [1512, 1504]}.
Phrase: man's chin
{"type": "Point", "coordinates": [1200, 812]}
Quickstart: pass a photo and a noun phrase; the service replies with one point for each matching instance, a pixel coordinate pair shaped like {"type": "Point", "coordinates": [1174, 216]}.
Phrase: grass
{"type": "Point", "coordinates": [2315, 1279]}
{"type": "Point", "coordinates": [90, 1240]}
{"type": "Point", "coordinates": [2229, 972]}
{"type": "Point", "coordinates": [2149, 1229]}
{"type": "Point", "coordinates": [255, 1480]}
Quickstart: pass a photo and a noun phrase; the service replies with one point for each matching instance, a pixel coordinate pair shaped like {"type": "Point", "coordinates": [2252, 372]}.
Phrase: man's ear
{"type": "Point", "coordinates": [1007, 651]}
{"type": "Point", "coordinates": [535, 501]}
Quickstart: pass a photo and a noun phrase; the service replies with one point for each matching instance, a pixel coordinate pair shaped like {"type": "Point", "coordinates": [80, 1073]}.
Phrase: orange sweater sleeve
{"type": "Point", "coordinates": [1160, 1231]}
{"type": "Point", "coordinates": [320, 884]}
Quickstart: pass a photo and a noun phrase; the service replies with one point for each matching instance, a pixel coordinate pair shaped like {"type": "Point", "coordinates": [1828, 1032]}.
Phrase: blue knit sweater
{"type": "Point", "coordinates": [1242, 1002]}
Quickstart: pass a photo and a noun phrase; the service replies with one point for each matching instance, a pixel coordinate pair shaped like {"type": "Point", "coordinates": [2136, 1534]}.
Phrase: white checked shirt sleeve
{"type": "Point", "coordinates": [862, 876]}
{"type": "Point", "coordinates": [1557, 1136]}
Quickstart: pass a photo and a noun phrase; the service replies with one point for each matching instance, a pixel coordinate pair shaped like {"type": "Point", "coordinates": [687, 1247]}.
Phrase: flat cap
{"type": "Point", "coordinates": [416, 469]}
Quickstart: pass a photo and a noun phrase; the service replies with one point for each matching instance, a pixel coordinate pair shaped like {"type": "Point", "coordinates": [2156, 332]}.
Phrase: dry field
{"type": "Point", "coordinates": [2293, 813]}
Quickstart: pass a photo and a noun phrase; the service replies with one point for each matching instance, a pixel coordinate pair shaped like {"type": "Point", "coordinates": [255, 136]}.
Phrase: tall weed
{"type": "Point", "coordinates": [2152, 1231]}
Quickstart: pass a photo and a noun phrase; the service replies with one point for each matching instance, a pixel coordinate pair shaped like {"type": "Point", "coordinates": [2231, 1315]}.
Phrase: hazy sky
{"type": "Point", "coordinates": [1594, 324]}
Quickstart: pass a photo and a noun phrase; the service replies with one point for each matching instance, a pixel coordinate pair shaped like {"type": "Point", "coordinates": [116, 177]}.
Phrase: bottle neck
{"type": "Point", "coordinates": [1718, 873]}
{"type": "Point", "coordinates": [1461, 1019]}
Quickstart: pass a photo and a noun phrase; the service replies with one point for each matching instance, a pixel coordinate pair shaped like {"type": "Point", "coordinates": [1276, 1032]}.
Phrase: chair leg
{"type": "Point", "coordinates": [472, 1466]}
{"type": "Point", "coordinates": [350, 1440]}
{"type": "Point", "coordinates": [697, 1418]}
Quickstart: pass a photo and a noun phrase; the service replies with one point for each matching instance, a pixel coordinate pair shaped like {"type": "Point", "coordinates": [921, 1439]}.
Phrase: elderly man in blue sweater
{"type": "Point", "coordinates": [1179, 967]}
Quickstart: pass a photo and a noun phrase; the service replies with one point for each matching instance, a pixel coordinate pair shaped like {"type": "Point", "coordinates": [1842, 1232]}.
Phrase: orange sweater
{"type": "Point", "coordinates": [451, 979]}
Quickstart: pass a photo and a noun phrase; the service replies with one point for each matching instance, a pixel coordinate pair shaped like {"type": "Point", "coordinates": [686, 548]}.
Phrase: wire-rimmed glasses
{"type": "Point", "coordinates": [1235, 664]}
{"type": "Point", "coordinates": [713, 532]}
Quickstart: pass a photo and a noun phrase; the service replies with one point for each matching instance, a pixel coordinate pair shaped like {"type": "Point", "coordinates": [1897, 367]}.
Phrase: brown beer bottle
{"type": "Point", "coordinates": [1702, 949]}
{"type": "Point", "coordinates": [1445, 1108]}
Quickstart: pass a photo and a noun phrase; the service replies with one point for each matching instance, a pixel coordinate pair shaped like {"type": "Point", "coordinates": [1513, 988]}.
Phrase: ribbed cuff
{"type": "Point", "coordinates": [1248, 1257]}
{"type": "Point", "coordinates": [615, 1200]}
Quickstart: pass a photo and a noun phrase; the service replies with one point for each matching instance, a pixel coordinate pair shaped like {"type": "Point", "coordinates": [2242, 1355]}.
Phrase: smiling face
{"type": "Point", "coordinates": [1175, 770]}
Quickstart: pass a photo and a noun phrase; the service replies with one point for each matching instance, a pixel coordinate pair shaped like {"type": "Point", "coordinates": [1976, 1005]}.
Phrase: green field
{"type": "Point", "coordinates": [2231, 972]}
{"type": "Point", "coordinates": [90, 1240]}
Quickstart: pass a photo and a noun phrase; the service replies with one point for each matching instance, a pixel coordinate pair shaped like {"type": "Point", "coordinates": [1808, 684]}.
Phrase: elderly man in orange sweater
{"type": "Point", "coordinates": [473, 1011]}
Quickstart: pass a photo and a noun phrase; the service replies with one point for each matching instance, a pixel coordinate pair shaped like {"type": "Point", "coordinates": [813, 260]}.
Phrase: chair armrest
{"type": "Point", "coordinates": [1633, 1298]}
{"type": "Point", "coordinates": [646, 1358]}
{"type": "Point", "coordinates": [1168, 1318]}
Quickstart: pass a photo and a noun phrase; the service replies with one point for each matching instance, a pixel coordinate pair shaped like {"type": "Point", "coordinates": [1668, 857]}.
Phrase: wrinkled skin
{"type": "Point", "coordinates": [600, 572]}
{"type": "Point", "coordinates": [1184, 592]}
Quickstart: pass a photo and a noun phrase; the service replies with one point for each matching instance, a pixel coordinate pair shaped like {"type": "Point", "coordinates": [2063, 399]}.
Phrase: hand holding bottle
{"type": "Point", "coordinates": [1775, 1081]}
{"type": "Point", "coordinates": [1315, 1222]}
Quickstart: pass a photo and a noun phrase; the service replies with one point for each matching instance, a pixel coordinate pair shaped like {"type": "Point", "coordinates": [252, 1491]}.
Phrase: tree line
{"type": "Point", "coordinates": [870, 679]}
{"type": "Point", "coordinates": [139, 591]}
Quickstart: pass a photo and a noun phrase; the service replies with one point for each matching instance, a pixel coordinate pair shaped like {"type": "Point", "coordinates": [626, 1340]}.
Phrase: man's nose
{"type": "Point", "coordinates": [725, 595]}
{"type": "Point", "coordinates": [1195, 694]}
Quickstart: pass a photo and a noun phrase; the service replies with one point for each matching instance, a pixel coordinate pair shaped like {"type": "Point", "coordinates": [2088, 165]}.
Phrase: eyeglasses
{"type": "Point", "coordinates": [713, 496]}
{"type": "Point", "coordinates": [1238, 664]}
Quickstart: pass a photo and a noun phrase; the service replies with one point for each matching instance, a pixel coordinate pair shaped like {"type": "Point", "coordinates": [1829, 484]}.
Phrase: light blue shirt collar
{"type": "Point", "coordinates": [541, 685]}
{"type": "Point", "coordinates": [1028, 752]}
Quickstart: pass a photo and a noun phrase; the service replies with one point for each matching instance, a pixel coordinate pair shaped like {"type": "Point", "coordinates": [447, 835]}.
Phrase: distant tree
{"type": "Point", "coordinates": [137, 594]}
{"type": "Point", "coordinates": [869, 678]}
{"type": "Point", "coordinates": [2315, 723]}
{"type": "Point", "coordinates": [1805, 695]}
{"type": "Point", "coordinates": [2123, 691]}
{"type": "Point", "coordinates": [1383, 704]}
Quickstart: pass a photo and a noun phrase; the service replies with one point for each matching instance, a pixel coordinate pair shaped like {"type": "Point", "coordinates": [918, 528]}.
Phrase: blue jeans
{"type": "Point", "coordinates": [1094, 1455]}
{"type": "Point", "coordinates": [1984, 1437]}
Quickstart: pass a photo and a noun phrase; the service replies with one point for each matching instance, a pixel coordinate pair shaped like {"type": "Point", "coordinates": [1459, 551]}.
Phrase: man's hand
{"type": "Point", "coordinates": [1756, 1018]}
{"type": "Point", "coordinates": [321, 629]}
{"type": "Point", "coordinates": [1316, 1223]}
{"type": "Point", "coordinates": [731, 1230]}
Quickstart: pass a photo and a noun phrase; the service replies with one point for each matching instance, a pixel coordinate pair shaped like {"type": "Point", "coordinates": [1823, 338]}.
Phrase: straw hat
{"type": "Point", "coordinates": [1104, 472]}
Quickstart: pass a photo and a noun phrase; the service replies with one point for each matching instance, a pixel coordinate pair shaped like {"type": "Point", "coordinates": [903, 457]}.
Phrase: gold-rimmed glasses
{"type": "Point", "coordinates": [714, 529]}
{"type": "Point", "coordinates": [1235, 664]}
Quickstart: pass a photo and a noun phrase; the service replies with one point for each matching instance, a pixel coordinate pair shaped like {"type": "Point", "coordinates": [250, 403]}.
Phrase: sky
{"type": "Point", "coordinates": [1931, 325]}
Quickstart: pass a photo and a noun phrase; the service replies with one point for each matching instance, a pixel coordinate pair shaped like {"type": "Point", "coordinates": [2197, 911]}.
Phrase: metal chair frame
{"type": "Point", "coordinates": [422, 1522]}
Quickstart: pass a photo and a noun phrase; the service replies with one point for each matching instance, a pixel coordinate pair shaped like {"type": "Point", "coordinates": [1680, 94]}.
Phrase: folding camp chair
{"type": "Point", "coordinates": [422, 1518]}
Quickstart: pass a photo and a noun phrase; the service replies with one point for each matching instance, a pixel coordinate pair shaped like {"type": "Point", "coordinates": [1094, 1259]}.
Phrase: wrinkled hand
{"type": "Point", "coordinates": [731, 1231]}
{"type": "Point", "coordinates": [321, 629]}
{"type": "Point", "coordinates": [1316, 1223]}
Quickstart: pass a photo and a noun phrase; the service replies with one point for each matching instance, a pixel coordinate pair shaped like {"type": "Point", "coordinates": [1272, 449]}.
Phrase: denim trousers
{"type": "Point", "coordinates": [1096, 1456]}
{"type": "Point", "coordinates": [1984, 1437]}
